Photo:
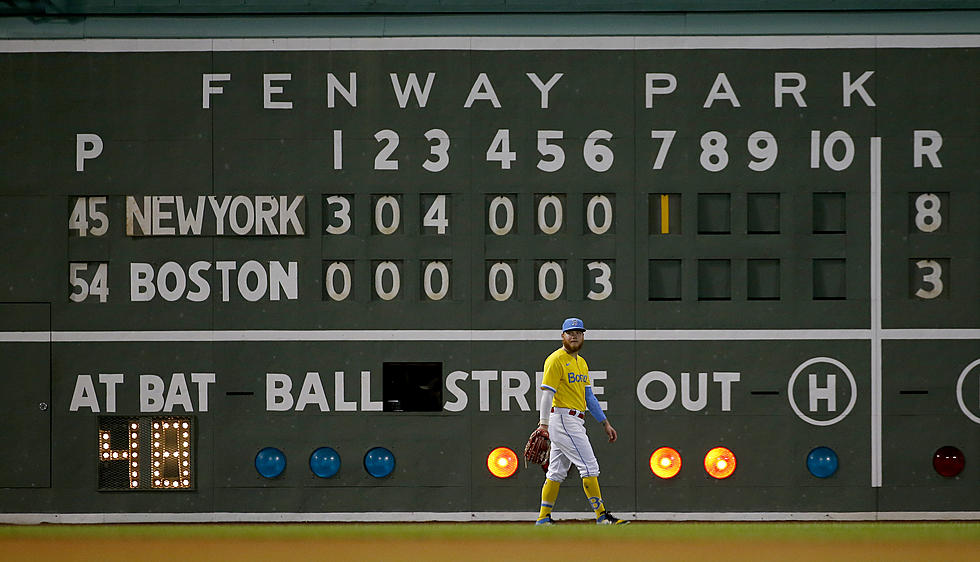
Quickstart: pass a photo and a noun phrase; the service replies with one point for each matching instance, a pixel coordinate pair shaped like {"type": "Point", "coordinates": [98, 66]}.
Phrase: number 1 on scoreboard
{"type": "Point", "coordinates": [665, 217]}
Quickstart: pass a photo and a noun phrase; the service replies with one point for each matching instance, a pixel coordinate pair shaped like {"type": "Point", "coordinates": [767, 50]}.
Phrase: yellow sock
{"type": "Point", "coordinates": [591, 486]}
{"type": "Point", "coordinates": [549, 494]}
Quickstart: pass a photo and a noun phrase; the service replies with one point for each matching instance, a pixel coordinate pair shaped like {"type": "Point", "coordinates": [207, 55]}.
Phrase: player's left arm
{"type": "Point", "coordinates": [596, 410]}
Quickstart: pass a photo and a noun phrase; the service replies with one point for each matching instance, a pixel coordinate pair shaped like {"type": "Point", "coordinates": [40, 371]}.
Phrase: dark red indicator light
{"type": "Point", "coordinates": [948, 461]}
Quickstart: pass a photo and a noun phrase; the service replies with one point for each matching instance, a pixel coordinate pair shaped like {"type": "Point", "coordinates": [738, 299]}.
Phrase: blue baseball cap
{"type": "Point", "coordinates": [572, 324]}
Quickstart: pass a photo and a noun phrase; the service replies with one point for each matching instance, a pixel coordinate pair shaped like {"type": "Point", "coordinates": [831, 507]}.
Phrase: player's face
{"type": "Point", "coordinates": [573, 340]}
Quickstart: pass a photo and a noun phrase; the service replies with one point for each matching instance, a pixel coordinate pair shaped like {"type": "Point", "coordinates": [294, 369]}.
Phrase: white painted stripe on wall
{"type": "Point", "coordinates": [595, 43]}
{"type": "Point", "coordinates": [19, 337]}
{"type": "Point", "coordinates": [749, 335]}
{"type": "Point", "coordinates": [504, 43]}
{"type": "Point", "coordinates": [931, 334]}
{"type": "Point", "coordinates": [875, 289]}
{"type": "Point", "coordinates": [478, 335]}
{"type": "Point", "coordinates": [686, 42]}
{"type": "Point", "coordinates": [104, 45]}
{"type": "Point", "coordinates": [927, 41]}
{"type": "Point", "coordinates": [474, 516]}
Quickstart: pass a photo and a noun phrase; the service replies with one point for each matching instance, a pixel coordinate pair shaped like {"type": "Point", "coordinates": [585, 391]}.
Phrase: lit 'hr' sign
{"type": "Point", "coordinates": [145, 453]}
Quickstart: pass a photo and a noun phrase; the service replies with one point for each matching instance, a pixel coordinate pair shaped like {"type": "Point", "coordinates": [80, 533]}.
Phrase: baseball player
{"type": "Point", "coordinates": [566, 394]}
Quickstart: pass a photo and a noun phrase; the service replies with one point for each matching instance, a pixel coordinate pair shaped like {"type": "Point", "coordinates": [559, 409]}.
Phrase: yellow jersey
{"type": "Point", "coordinates": [567, 376]}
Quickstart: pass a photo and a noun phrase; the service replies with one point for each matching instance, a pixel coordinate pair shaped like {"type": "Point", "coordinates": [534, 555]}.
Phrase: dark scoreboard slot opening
{"type": "Point", "coordinates": [411, 386]}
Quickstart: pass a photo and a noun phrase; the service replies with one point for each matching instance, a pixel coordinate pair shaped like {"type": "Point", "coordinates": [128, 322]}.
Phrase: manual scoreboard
{"type": "Point", "coordinates": [322, 275]}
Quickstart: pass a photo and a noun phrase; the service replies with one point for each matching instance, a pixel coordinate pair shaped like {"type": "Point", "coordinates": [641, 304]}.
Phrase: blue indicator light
{"type": "Point", "coordinates": [325, 462]}
{"type": "Point", "coordinates": [270, 462]}
{"type": "Point", "coordinates": [379, 462]}
{"type": "Point", "coordinates": [822, 462]}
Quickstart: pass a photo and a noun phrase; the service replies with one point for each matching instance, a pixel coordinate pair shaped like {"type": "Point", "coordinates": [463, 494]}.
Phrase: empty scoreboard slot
{"type": "Point", "coordinates": [762, 213]}
{"type": "Point", "coordinates": [412, 386]}
{"type": "Point", "coordinates": [714, 280]}
{"type": "Point", "coordinates": [714, 213]}
{"type": "Point", "coordinates": [665, 280]}
{"type": "Point", "coordinates": [762, 279]}
{"type": "Point", "coordinates": [829, 213]}
{"type": "Point", "coordinates": [829, 279]}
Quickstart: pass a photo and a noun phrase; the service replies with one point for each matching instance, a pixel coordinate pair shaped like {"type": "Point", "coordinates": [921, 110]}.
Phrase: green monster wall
{"type": "Point", "coordinates": [359, 243]}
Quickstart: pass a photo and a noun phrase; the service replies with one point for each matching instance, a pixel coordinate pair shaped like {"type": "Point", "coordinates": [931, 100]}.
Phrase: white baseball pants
{"type": "Point", "coordinates": [569, 445]}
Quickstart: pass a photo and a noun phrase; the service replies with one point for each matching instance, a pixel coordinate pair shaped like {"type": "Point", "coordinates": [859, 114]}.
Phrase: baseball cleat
{"type": "Point", "coordinates": [609, 519]}
{"type": "Point", "coordinates": [544, 521]}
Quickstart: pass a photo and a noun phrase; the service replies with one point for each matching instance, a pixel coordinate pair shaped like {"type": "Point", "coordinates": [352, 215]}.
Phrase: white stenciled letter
{"type": "Point", "coordinates": [412, 87]}
{"type": "Point", "coordinates": [721, 90]}
{"type": "Point", "coordinates": [209, 89]}
{"type": "Point", "coordinates": [110, 380]}
{"type": "Point", "coordinates": [928, 149]}
{"type": "Point", "coordinates": [484, 378]}
{"type": "Point", "coordinates": [459, 395]}
{"type": "Point", "coordinates": [651, 89]}
{"type": "Point", "coordinates": [669, 387]}
{"type": "Point", "coordinates": [857, 86]}
{"type": "Point", "coordinates": [368, 405]}
{"type": "Point", "coordinates": [178, 394]}
{"type": "Point", "coordinates": [277, 396]}
{"type": "Point", "coordinates": [544, 88]}
{"type": "Point", "coordinates": [482, 90]}
{"type": "Point", "coordinates": [339, 401]}
{"type": "Point", "coordinates": [781, 87]}
{"type": "Point", "coordinates": [517, 392]}
{"type": "Point", "coordinates": [151, 393]}
{"type": "Point", "coordinates": [141, 288]}
{"type": "Point", "coordinates": [84, 394]}
{"type": "Point", "coordinates": [202, 380]}
{"type": "Point", "coordinates": [828, 393]}
{"type": "Point", "coordinates": [726, 379]}
{"type": "Point", "coordinates": [312, 393]}
{"type": "Point", "coordinates": [268, 89]}
{"type": "Point", "coordinates": [87, 147]}
{"type": "Point", "coordinates": [283, 280]}
{"type": "Point", "coordinates": [349, 93]}
{"type": "Point", "coordinates": [694, 404]}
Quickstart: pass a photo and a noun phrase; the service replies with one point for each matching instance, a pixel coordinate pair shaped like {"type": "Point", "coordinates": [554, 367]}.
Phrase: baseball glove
{"type": "Point", "coordinates": [538, 448]}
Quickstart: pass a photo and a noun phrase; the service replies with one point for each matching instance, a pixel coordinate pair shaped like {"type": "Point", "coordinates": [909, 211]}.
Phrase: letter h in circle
{"type": "Point", "coordinates": [828, 393]}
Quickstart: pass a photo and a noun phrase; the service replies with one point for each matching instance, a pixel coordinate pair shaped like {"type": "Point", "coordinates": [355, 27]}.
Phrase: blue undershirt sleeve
{"type": "Point", "coordinates": [593, 404]}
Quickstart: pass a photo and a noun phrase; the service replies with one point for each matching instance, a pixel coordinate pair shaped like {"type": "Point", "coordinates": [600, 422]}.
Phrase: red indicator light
{"type": "Point", "coordinates": [719, 463]}
{"type": "Point", "coordinates": [948, 461]}
{"type": "Point", "coordinates": [502, 462]}
{"type": "Point", "coordinates": [665, 462]}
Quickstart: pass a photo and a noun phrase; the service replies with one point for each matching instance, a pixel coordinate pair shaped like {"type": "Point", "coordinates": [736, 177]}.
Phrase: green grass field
{"type": "Point", "coordinates": [641, 531]}
{"type": "Point", "coordinates": [823, 541]}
